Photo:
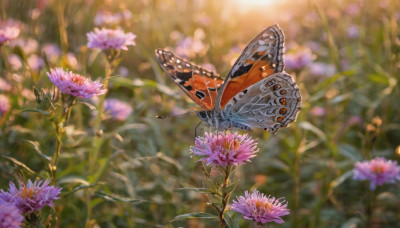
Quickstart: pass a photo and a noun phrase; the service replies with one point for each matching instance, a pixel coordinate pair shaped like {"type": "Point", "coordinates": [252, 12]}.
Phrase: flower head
{"type": "Point", "coordinates": [117, 109]}
{"type": "Point", "coordinates": [10, 215]}
{"type": "Point", "coordinates": [75, 84]}
{"type": "Point", "coordinates": [260, 208]}
{"type": "Point", "coordinates": [8, 31]}
{"type": "Point", "coordinates": [322, 69]}
{"type": "Point", "coordinates": [4, 104]}
{"type": "Point", "coordinates": [225, 149]}
{"type": "Point", "coordinates": [110, 39]}
{"type": "Point", "coordinates": [298, 59]}
{"type": "Point", "coordinates": [378, 171]}
{"type": "Point", "coordinates": [31, 196]}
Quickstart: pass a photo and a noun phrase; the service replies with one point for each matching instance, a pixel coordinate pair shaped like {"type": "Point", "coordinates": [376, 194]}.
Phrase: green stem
{"type": "Point", "coordinates": [296, 175]}
{"type": "Point", "coordinates": [97, 139]}
{"type": "Point", "coordinates": [56, 152]}
{"type": "Point", "coordinates": [225, 196]}
{"type": "Point", "coordinates": [370, 209]}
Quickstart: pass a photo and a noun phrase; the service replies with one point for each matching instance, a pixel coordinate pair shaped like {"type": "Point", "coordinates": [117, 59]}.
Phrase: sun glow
{"type": "Point", "coordinates": [247, 5]}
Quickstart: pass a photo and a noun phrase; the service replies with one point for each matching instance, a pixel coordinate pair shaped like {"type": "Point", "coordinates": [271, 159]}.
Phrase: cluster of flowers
{"type": "Point", "coordinates": [226, 149]}
{"type": "Point", "coordinates": [28, 198]}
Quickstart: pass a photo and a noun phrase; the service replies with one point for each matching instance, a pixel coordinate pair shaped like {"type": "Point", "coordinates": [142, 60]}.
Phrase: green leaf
{"type": "Point", "coordinates": [115, 197]}
{"type": "Point", "coordinates": [35, 145]}
{"type": "Point", "coordinates": [80, 187]}
{"type": "Point", "coordinates": [36, 110]}
{"type": "Point", "coordinates": [193, 189]}
{"type": "Point", "coordinates": [308, 126]}
{"type": "Point", "coordinates": [15, 161]}
{"type": "Point", "coordinates": [196, 215]}
{"type": "Point", "coordinates": [341, 179]}
{"type": "Point", "coordinates": [378, 78]}
{"type": "Point", "coordinates": [90, 106]}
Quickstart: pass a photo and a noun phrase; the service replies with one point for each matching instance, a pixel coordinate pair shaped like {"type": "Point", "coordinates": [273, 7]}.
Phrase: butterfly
{"type": "Point", "coordinates": [257, 92]}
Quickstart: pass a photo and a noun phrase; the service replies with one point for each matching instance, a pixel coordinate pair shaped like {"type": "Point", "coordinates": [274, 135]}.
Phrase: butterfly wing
{"type": "Point", "coordinates": [199, 84]}
{"type": "Point", "coordinates": [262, 58]}
{"type": "Point", "coordinates": [270, 104]}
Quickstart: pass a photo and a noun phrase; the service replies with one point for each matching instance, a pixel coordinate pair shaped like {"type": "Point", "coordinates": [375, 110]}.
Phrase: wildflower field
{"type": "Point", "coordinates": [94, 133]}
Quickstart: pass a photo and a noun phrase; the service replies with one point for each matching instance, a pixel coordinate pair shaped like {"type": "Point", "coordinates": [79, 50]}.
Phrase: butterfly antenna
{"type": "Point", "coordinates": [195, 130]}
{"type": "Point", "coordinates": [169, 116]}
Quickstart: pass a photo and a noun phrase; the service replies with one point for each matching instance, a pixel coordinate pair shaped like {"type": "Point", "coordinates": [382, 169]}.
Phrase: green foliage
{"type": "Point", "coordinates": [143, 174]}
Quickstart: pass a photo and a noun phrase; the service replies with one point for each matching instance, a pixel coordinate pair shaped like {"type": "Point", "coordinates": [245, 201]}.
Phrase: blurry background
{"type": "Point", "coordinates": [344, 56]}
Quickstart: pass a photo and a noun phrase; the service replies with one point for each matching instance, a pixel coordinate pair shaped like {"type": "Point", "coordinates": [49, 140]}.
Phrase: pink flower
{"type": "Point", "coordinates": [75, 84]}
{"type": "Point", "coordinates": [8, 31]}
{"type": "Point", "coordinates": [4, 104]}
{"type": "Point", "coordinates": [209, 67]}
{"type": "Point", "coordinates": [35, 62]}
{"type": "Point", "coordinates": [29, 46]}
{"type": "Point", "coordinates": [378, 171]}
{"type": "Point", "coordinates": [317, 111]}
{"type": "Point", "coordinates": [224, 149]}
{"type": "Point", "coordinates": [353, 31]}
{"type": "Point", "coordinates": [260, 208]}
{"type": "Point", "coordinates": [298, 59]}
{"type": "Point", "coordinates": [110, 39]}
{"type": "Point", "coordinates": [10, 216]}
{"type": "Point", "coordinates": [322, 69]}
{"type": "Point", "coordinates": [31, 197]}
{"type": "Point", "coordinates": [117, 109]}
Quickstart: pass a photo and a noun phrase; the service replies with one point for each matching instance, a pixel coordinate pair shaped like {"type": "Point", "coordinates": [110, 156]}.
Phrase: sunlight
{"type": "Point", "coordinates": [246, 5]}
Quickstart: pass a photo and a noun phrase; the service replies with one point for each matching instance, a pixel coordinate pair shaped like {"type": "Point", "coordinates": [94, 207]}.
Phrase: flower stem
{"type": "Point", "coordinates": [370, 209]}
{"type": "Point", "coordinates": [225, 196]}
{"type": "Point", "coordinates": [97, 140]}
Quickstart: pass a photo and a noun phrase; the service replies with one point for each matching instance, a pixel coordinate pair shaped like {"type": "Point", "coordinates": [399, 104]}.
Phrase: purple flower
{"type": "Point", "coordinates": [110, 39]}
{"type": "Point", "coordinates": [298, 59]}
{"type": "Point", "coordinates": [209, 66]}
{"type": "Point", "coordinates": [53, 52]}
{"type": "Point", "coordinates": [32, 196]}
{"type": "Point", "coordinates": [189, 47]}
{"type": "Point", "coordinates": [4, 85]}
{"type": "Point", "coordinates": [29, 46]}
{"type": "Point", "coordinates": [224, 149]}
{"type": "Point", "coordinates": [35, 62]}
{"type": "Point", "coordinates": [260, 208]}
{"type": "Point", "coordinates": [378, 171]}
{"type": "Point", "coordinates": [75, 84]}
{"type": "Point", "coordinates": [8, 31]}
{"type": "Point", "coordinates": [322, 69]}
{"type": "Point", "coordinates": [15, 61]}
{"type": "Point", "coordinates": [353, 31]}
{"type": "Point", "coordinates": [10, 216]}
{"type": "Point", "coordinates": [117, 109]}
{"type": "Point", "coordinates": [4, 104]}
{"type": "Point", "coordinates": [317, 111]}
{"type": "Point", "coordinates": [106, 18]}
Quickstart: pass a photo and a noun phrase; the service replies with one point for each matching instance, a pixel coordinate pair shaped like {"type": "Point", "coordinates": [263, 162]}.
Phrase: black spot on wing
{"type": "Point", "coordinates": [188, 88]}
{"type": "Point", "coordinates": [184, 76]}
{"type": "Point", "coordinates": [200, 95]}
{"type": "Point", "coordinates": [242, 70]}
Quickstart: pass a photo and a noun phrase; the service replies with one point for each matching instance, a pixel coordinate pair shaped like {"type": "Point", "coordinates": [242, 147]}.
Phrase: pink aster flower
{"type": "Point", "coordinates": [225, 149]}
{"type": "Point", "coordinates": [110, 39]}
{"type": "Point", "coordinates": [117, 109]}
{"type": "Point", "coordinates": [10, 215]}
{"type": "Point", "coordinates": [75, 84]}
{"type": "Point", "coordinates": [260, 208]}
{"type": "Point", "coordinates": [378, 171]}
{"type": "Point", "coordinates": [8, 31]}
{"type": "Point", "coordinates": [4, 104]}
{"type": "Point", "coordinates": [31, 197]}
{"type": "Point", "coordinates": [298, 59]}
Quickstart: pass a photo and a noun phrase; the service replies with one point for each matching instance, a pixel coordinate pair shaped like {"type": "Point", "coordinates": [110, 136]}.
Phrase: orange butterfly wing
{"type": "Point", "coordinates": [199, 84]}
{"type": "Point", "coordinates": [262, 57]}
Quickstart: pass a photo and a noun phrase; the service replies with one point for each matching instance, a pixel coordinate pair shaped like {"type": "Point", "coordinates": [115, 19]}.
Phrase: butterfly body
{"type": "Point", "coordinates": [257, 93]}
